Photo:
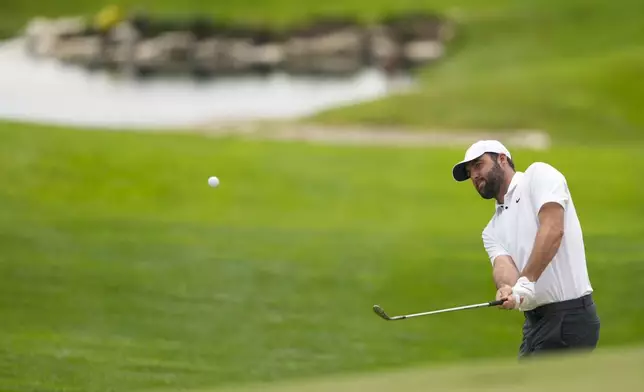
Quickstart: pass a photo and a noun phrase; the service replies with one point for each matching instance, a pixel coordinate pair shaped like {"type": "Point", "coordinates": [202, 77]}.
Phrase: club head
{"type": "Point", "coordinates": [380, 312]}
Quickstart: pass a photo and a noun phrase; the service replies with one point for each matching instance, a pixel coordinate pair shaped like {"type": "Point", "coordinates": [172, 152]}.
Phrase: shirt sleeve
{"type": "Point", "coordinates": [493, 248]}
{"type": "Point", "coordinates": [548, 185]}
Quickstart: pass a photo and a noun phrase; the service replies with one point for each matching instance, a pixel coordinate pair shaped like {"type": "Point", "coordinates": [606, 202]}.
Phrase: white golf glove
{"type": "Point", "coordinates": [524, 294]}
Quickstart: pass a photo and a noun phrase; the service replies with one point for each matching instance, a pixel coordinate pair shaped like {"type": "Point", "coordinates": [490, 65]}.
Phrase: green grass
{"type": "Point", "coordinates": [602, 371]}
{"type": "Point", "coordinates": [569, 68]}
{"type": "Point", "coordinates": [277, 13]}
{"type": "Point", "coordinates": [121, 269]}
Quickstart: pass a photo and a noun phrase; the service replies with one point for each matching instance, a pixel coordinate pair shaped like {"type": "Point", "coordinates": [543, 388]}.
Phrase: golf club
{"type": "Point", "coordinates": [380, 312]}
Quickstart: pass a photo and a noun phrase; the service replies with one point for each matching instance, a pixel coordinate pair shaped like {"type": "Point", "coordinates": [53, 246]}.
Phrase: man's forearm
{"type": "Point", "coordinates": [505, 272]}
{"type": "Point", "coordinates": [546, 245]}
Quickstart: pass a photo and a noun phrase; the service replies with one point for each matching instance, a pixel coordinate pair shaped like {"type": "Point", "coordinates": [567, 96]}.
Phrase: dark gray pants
{"type": "Point", "coordinates": [568, 325]}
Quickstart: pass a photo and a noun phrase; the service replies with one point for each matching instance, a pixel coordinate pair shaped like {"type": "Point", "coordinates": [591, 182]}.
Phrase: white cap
{"type": "Point", "coordinates": [476, 150]}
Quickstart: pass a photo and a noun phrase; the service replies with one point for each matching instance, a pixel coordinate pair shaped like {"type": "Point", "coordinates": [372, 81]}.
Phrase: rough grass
{"type": "Point", "coordinates": [120, 269]}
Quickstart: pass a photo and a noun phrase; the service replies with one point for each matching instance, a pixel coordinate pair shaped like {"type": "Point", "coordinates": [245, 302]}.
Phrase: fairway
{"type": "Point", "coordinates": [122, 270]}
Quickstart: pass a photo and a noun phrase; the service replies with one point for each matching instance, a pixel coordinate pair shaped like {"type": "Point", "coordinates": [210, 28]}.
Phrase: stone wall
{"type": "Point", "coordinates": [142, 45]}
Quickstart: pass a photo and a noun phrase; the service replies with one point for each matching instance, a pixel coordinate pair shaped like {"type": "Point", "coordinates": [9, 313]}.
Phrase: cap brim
{"type": "Point", "coordinates": [459, 172]}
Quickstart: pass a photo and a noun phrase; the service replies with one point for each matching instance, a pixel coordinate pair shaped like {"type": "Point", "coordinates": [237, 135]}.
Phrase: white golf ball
{"type": "Point", "coordinates": [213, 181]}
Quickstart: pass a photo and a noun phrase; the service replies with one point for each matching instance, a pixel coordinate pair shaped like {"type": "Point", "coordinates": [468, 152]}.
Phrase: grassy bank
{"type": "Point", "coordinates": [277, 13]}
{"type": "Point", "coordinates": [120, 269]}
{"type": "Point", "coordinates": [568, 68]}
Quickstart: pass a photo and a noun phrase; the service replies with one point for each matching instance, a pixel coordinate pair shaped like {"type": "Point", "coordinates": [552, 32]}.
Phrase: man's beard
{"type": "Point", "coordinates": [493, 182]}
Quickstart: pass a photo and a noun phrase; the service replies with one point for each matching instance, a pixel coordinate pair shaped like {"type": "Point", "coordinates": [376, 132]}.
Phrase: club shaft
{"type": "Point", "coordinates": [484, 304]}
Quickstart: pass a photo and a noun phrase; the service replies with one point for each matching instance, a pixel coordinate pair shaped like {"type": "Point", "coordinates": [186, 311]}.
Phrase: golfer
{"type": "Point", "coordinates": [535, 244]}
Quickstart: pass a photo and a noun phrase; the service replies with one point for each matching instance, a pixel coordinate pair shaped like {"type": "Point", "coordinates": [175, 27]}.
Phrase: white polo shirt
{"type": "Point", "coordinates": [513, 229]}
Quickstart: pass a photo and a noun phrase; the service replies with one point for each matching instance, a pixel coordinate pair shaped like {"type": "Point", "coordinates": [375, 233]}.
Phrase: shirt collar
{"type": "Point", "coordinates": [516, 179]}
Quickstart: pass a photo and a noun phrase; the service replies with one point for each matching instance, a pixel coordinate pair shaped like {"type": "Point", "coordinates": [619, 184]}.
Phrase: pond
{"type": "Point", "coordinates": [46, 91]}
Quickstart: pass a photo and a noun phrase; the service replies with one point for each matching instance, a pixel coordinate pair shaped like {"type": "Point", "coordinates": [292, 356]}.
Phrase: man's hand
{"type": "Point", "coordinates": [523, 294]}
{"type": "Point", "coordinates": [505, 293]}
